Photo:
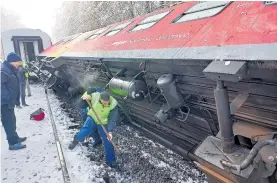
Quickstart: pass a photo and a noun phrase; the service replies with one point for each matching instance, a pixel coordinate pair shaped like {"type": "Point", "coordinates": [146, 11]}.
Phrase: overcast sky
{"type": "Point", "coordinates": [36, 14]}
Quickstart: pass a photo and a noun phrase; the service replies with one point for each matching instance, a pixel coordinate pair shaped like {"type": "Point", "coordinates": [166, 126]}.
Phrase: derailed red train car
{"type": "Point", "coordinates": [199, 77]}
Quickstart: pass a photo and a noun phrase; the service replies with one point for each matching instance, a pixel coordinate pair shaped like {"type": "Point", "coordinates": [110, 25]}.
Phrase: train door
{"type": "Point", "coordinates": [28, 50]}
{"type": "Point", "coordinates": [22, 50]}
{"type": "Point", "coordinates": [27, 47]}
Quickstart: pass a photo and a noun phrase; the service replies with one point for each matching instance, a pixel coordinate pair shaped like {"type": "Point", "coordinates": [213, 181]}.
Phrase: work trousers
{"type": "Point", "coordinates": [91, 128]}
{"type": "Point", "coordinates": [84, 114]}
{"type": "Point", "coordinates": [9, 123]}
{"type": "Point", "coordinates": [28, 87]}
{"type": "Point", "coordinates": [22, 92]}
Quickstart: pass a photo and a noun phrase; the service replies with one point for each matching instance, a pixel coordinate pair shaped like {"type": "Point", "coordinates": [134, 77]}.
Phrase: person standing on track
{"type": "Point", "coordinates": [10, 91]}
{"type": "Point", "coordinates": [107, 110]}
{"type": "Point", "coordinates": [21, 74]}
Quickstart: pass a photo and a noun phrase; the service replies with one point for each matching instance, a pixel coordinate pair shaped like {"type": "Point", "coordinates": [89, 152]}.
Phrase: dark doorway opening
{"type": "Point", "coordinates": [29, 40]}
{"type": "Point", "coordinates": [29, 51]}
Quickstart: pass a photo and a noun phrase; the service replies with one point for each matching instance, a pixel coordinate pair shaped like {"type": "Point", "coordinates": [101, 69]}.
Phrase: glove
{"type": "Point", "coordinates": [86, 97]}
{"type": "Point", "coordinates": [110, 136]}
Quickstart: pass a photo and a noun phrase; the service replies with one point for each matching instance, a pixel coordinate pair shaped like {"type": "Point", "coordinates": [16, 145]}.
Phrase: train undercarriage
{"type": "Point", "coordinates": [220, 114]}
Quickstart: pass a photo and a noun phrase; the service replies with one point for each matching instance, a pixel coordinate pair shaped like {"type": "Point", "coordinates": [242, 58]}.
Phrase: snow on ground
{"type": "Point", "coordinates": [140, 160]}
{"type": "Point", "coordinates": [38, 163]}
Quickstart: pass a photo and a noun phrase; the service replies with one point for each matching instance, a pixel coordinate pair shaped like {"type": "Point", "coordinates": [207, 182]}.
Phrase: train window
{"type": "Point", "coordinates": [93, 36]}
{"type": "Point", "coordinates": [67, 39]}
{"type": "Point", "coordinates": [202, 10]}
{"type": "Point", "coordinates": [71, 38]}
{"type": "Point", "coordinates": [154, 18]}
{"type": "Point", "coordinates": [57, 43]}
{"type": "Point", "coordinates": [270, 2]}
{"type": "Point", "coordinates": [143, 26]}
{"type": "Point", "coordinates": [118, 28]}
{"type": "Point", "coordinates": [100, 31]}
{"type": "Point", "coordinates": [149, 21]}
{"type": "Point", "coordinates": [61, 41]}
{"type": "Point", "coordinates": [96, 33]}
{"type": "Point", "coordinates": [122, 26]}
{"type": "Point", "coordinates": [112, 32]}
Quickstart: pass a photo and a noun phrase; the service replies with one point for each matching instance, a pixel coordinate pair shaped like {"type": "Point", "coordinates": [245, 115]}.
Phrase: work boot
{"type": "Point", "coordinates": [21, 139]}
{"type": "Point", "coordinates": [25, 105]}
{"type": "Point", "coordinates": [17, 146]}
{"type": "Point", "coordinates": [73, 144]}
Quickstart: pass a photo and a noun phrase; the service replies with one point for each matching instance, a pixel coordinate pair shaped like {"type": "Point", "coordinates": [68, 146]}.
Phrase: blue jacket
{"type": "Point", "coordinates": [10, 90]}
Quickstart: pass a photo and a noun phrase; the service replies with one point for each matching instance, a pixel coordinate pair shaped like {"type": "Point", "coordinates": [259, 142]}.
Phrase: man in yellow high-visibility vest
{"type": "Point", "coordinates": [107, 110]}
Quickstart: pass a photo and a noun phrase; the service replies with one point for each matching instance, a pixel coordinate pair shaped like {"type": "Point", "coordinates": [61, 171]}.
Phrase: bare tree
{"type": "Point", "coordinates": [82, 16]}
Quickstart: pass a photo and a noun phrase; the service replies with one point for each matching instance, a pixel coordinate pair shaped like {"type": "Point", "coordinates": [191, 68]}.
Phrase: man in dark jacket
{"type": "Point", "coordinates": [22, 83]}
{"type": "Point", "coordinates": [10, 91]}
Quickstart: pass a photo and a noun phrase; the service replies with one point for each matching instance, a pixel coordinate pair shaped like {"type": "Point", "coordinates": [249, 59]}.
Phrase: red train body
{"type": "Point", "coordinates": [241, 30]}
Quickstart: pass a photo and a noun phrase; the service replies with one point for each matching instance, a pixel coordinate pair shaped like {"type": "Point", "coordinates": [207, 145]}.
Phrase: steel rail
{"type": "Point", "coordinates": [66, 177]}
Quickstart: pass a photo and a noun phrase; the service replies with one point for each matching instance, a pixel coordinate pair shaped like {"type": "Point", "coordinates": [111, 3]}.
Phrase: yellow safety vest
{"type": "Point", "coordinates": [26, 67]}
{"type": "Point", "coordinates": [101, 110]}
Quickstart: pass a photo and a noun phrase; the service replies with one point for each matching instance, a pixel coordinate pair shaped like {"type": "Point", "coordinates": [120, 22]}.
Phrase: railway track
{"type": "Point", "coordinates": [64, 169]}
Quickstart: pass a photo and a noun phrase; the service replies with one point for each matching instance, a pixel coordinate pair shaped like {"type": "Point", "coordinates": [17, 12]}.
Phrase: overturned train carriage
{"type": "Point", "coordinates": [199, 77]}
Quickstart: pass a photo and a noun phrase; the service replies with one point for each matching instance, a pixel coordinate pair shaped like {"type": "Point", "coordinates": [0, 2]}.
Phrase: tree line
{"type": "Point", "coordinates": [81, 16]}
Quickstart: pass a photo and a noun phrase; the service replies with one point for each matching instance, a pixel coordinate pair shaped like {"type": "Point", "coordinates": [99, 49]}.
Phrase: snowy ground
{"type": "Point", "coordinates": [140, 159]}
{"type": "Point", "coordinates": [38, 163]}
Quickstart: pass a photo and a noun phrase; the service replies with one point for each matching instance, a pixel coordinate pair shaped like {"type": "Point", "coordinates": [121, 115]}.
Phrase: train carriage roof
{"type": "Point", "coordinates": [22, 33]}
